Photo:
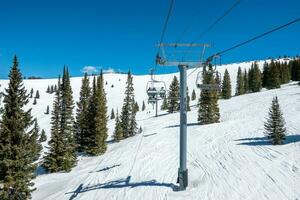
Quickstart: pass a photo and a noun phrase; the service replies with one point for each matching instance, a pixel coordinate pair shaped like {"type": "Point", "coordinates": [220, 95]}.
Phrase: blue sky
{"type": "Point", "coordinates": [118, 34]}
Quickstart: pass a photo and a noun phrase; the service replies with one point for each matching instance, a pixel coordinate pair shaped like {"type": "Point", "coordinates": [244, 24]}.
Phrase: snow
{"type": "Point", "coordinates": [227, 160]}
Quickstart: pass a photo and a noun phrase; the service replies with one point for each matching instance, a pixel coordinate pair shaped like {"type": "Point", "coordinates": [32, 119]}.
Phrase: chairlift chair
{"type": "Point", "coordinates": [206, 86]}
{"type": "Point", "coordinates": [156, 90]}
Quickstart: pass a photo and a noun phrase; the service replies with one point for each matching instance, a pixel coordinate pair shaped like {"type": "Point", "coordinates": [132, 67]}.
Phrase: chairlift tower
{"type": "Point", "coordinates": [183, 62]}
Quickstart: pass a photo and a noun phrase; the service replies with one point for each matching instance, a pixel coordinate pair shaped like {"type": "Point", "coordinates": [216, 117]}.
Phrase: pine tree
{"type": "Point", "coordinates": [240, 88]}
{"type": "Point", "coordinates": [62, 155]}
{"type": "Point", "coordinates": [128, 115]}
{"type": "Point", "coordinates": [118, 133]}
{"type": "Point", "coordinates": [34, 101]}
{"type": "Point", "coordinates": [98, 135]}
{"type": "Point", "coordinates": [16, 162]}
{"type": "Point", "coordinates": [173, 96]}
{"type": "Point", "coordinates": [246, 82]}
{"type": "Point", "coordinates": [266, 75]}
{"type": "Point", "coordinates": [164, 105]}
{"type": "Point", "coordinates": [136, 107]}
{"type": "Point", "coordinates": [194, 95]}
{"type": "Point", "coordinates": [52, 90]}
{"type": "Point", "coordinates": [31, 93]}
{"type": "Point", "coordinates": [43, 136]}
{"type": "Point", "coordinates": [37, 94]}
{"type": "Point", "coordinates": [274, 127]}
{"type": "Point", "coordinates": [188, 107]}
{"type": "Point", "coordinates": [82, 120]}
{"type": "Point", "coordinates": [273, 80]}
{"type": "Point", "coordinates": [226, 86]}
{"type": "Point", "coordinates": [47, 110]}
{"type": "Point", "coordinates": [34, 138]}
{"type": "Point", "coordinates": [208, 103]}
{"type": "Point", "coordinates": [112, 114]}
{"type": "Point", "coordinates": [143, 106]}
{"type": "Point", "coordinates": [255, 81]}
{"type": "Point", "coordinates": [48, 89]}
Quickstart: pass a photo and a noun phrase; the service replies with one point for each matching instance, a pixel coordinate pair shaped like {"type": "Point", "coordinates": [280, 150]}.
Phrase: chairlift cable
{"type": "Point", "coordinates": [256, 37]}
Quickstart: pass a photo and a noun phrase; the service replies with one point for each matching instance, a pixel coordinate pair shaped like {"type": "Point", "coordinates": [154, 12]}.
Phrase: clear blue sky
{"type": "Point", "coordinates": [122, 34]}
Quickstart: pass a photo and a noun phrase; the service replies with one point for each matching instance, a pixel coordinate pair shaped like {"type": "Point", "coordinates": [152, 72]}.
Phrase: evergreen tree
{"type": "Point", "coordinates": [188, 107]}
{"type": "Point", "coordinates": [246, 82]}
{"type": "Point", "coordinates": [128, 115]}
{"type": "Point", "coordinates": [82, 120]}
{"type": "Point", "coordinates": [273, 80]}
{"type": "Point", "coordinates": [96, 141]}
{"type": "Point", "coordinates": [274, 127]}
{"type": "Point", "coordinates": [43, 137]}
{"type": "Point", "coordinates": [37, 94]}
{"type": "Point", "coordinates": [266, 75]}
{"type": "Point", "coordinates": [164, 105]}
{"type": "Point", "coordinates": [143, 106]}
{"type": "Point", "coordinates": [255, 81]}
{"type": "Point", "coordinates": [173, 96]}
{"type": "Point", "coordinates": [136, 107]}
{"type": "Point", "coordinates": [34, 138]}
{"type": "Point", "coordinates": [62, 155]}
{"type": "Point", "coordinates": [52, 90]}
{"type": "Point", "coordinates": [118, 133]}
{"type": "Point", "coordinates": [112, 114]}
{"type": "Point", "coordinates": [31, 93]}
{"type": "Point", "coordinates": [34, 101]}
{"type": "Point", "coordinates": [193, 95]}
{"type": "Point", "coordinates": [240, 88]}
{"type": "Point", "coordinates": [47, 110]}
{"type": "Point", "coordinates": [226, 86]}
{"type": "Point", "coordinates": [16, 161]}
{"type": "Point", "coordinates": [208, 103]}
{"type": "Point", "coordinates": [48, 89]}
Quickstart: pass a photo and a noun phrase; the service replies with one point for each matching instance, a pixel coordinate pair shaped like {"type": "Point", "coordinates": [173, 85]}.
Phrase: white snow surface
{"type": "Point", "coordinates": [227, 160]}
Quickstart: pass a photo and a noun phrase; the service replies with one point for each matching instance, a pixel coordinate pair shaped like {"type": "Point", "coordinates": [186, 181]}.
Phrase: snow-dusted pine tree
{"type": "Point", "coordinates": [275, 126]}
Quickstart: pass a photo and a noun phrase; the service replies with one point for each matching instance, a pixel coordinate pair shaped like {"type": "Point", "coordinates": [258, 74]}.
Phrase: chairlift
{"type": "Point", "coordinates": [156, 90]}
{"type": "Point", "coordinates": [215, 74]}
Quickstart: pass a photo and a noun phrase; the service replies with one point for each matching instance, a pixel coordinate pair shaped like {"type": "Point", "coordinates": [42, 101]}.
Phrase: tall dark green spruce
{"type": "Point", "coordinates": [112, 114]}
{"type": "Point", "coordinates": [271, 76]}
{"type": "Point", "coordinates": [173, 96]}
{"type": "Point", "coordinates": [246, 82]}
{"type": "Point", "coordinates": [82, 120]}
{"type": "Point", "coordinates": [16, 146]}
{"type": "Point", "coordinates": [274, 127]}
{"type": "Point", "coordinates": [128, 120]}
{"type": "Point", "coordinates": [226, 86]}
{"type": "Point", "coordinates": [266, 74]}
{"type": "Point", "coordinates": [240, 88]}
{"type": "Point", "coordinates": [255, 78]}
{"type": "Point", "coordinates": [34, 138]}
{"type": "Point", "coordinates": [164, 105]}
{"type": "Point", "coordinates": [118, 133]}
{"type": "Point", "coordinates": [62, 155]}
{"type": "Point", "coordinates": [208, 111]}
{"type": "Point", "coordinates": [98, 145]}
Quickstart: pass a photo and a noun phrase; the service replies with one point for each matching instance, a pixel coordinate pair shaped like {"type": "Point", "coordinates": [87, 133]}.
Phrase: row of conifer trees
{"type": "Point", "coordinates": [20, 136]}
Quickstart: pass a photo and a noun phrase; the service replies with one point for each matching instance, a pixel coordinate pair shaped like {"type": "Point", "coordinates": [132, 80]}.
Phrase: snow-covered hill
{"type": "Point", "coordinates": [228, 160]}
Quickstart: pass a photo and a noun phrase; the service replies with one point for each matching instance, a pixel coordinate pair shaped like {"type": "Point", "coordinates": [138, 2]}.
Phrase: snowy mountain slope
{"type": "Point", "coordinates": [228, 160]}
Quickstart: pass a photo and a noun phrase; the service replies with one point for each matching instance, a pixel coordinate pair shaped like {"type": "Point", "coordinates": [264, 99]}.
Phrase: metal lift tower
{"type": "Point", "coordinates": [182, 64]}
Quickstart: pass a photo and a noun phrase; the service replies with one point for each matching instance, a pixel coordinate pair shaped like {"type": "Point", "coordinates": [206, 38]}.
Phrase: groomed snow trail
{"type": "Point", "coordinates": [228, 160]}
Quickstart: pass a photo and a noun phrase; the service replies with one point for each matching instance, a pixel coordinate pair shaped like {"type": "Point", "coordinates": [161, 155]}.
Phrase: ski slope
{"type": "Point", "coordinates": [227, 160]}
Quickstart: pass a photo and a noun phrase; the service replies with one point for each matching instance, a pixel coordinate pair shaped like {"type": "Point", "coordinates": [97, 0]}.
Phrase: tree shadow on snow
{"type": "Point", "coordinates": [261, 141]}
{"type": "Point", "coordinates": [120, 183]}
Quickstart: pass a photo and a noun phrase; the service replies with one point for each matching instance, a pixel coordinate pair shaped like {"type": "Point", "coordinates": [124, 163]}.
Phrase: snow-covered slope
{"type": "Point", "coordinates": [228, 160]}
